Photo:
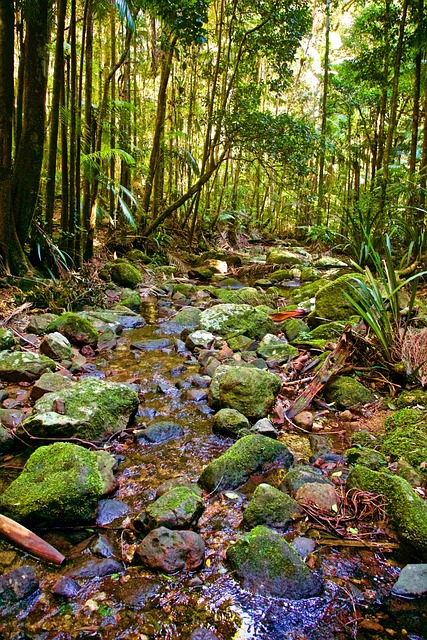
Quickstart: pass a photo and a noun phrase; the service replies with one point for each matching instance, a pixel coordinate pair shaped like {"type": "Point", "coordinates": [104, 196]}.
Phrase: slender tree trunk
{"type": "Point", "coordinates": [72, 212]}
{"type": "Point", "coordinates": [58, 79]}
{"type": "Point", "coordinates": [11, 251]}
{"type": "Point", "coordinates": [112, 199]}
{"type": "Point", "coordinates": [28, 162]}
{"type": "Point", "coordinates": [87, 144]}
{"type": "Point", "coordinates": [320, 201]}
{"type": "Point", "coordinates": [416, 106]}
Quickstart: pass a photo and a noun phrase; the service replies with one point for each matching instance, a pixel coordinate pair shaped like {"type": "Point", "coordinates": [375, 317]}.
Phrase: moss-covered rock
{"type": "Point", "coordinates": [291, 258]}
{"type": "Point", "coordinates": [92, 409]}
{"type": "Point", "coordinates": [270, 507]}
{"type": "Point", "coordinates": [347, 392]}
{"type": "Point", "coordinates": [188, 317]}
{"type": "Point", "coordinates": [328, 331]}
{"type": "Point", "coordinates": [49, 383]}
{"type": "Point", "coordinates": [78, 330]}
{"type": "Point", "coordinates": [272, 347]}
{"type": "Point", "coordinates": [125, 274]}
{"type": "Point", "coordinates": [56, 346]}
{"type": "Point", "coordinates": [246, 389]}
{"type": "Point", "coordinates": [60, 483]}
{"type": "Point", "coordinates": [186, 290]}
{"type": "Point", "coordinates": [331, 302]}
{"type": "Point", "coordinates": [246, 295]}
{"type": "Point", "coordinates": [405, 508]}
{"type": "Point", "coordinates": [179, 508]}
{"type": "Point", "coordinates": [130, 299]}
{"type": "Point", "coordinates": [406, 442]}
{"type": "Point", "coordinates": [239, 343]}
{"type": "Point", "coordinates": [23, 366]}
{"type": "Point", "coordinates": [309, 274]}
{"type": "Point", "coordinates": [248, 455]}
{"type": "Point", "coordinates": [228, 422]}
{"type": "Point", "coordinates": [136, 255]}
{"type": "Point", "coordinates": [412, 398]}
{"type": "Point", "coordinates": [39, 324]}
{"type": "Point", "coordinates": [236, 319]}
{"type": "Point", "coordinates": [300, 475]}
{"type": "Point", "coordinates": [307, 291]}
{"type": "Point", "coordinates": [268, 564]}
{"type": "Point", "coordinates": [366, 457]}
{"type": "Point", "coordinates": [294, 328]}
{"type": "Point", "coordinates": [7, 339]}
{"type": "Point", "coordinates": [407, 418]}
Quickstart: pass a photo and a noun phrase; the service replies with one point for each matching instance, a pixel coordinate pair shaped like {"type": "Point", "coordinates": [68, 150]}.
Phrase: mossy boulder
{"type": "Point", "coordinates": [406, 442]}
{"type": "Point", "coordinates": [291, 258]}
{"type": "Point", "coordinates": [327, 331]}
{"type": "Point", "coordinates": [236, 319]}
{"type": "Point", "coordinates": [406, 419]}
{"type": "Point", "coordinates": [7, 339]}
{"type": "Point", "coordinates": [125, 274]}
{"type": "Point", "coordinates": [246, 295]}
{"type": "Point", "coordinates": [270, 507]}
{"type": "Point", "coordinates": [78, 330]}
{"type": "Point", "coordinates": [92, 409]}
{"type": "Point", "coordinates": [136, 255]}
{"type": "Point", "coordinates": [268, 564]}
{"type": "Point", "coordinates": [188, 317]}
{"type": "Point", "coordinates": [412, 398]}
{"type": "Point", "coordinates": [130, 299]}
{"type": "Point", "coordinates": [56, 346]}
{"type": "Point", "coordinates": [272, 347]}
{"type": "Point", "coordinates": [300, 475]}
{"type": "Point", "coordinates": [248, 455]}
{"type": "Point", "coordinates": [246, 389]}
{"type": "Point", "coordinates": [347, 392]}
{"type": "Point", "coordinates": [331, 302]}
{"type": "Point", "coordinates": [228, 422]}
{"type": "Point", "coordinates": [366, 457]}
{"type": "Point", "coordinates": [404, 507]}
{"type": "Point", "coordinates": [49, 383]}
{"type": "Point", "coordinates": [39, 324]}
{"type": "Point", "coordinates": [179, 508]}
{"type": "Point", "coordinates": [23, 366]}
{"type": "Point", "coordinates": [60, 483]}
{"type": "Point", "coordinates": [186, 290]}
{"type": "Point", "coordinates": [294, 328]}
{"type": "Point", "coordinates": [307, 291]}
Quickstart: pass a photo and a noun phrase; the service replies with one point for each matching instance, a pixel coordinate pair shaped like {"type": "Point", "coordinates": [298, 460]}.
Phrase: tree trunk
{"type": "Point", "coordinates": [320, 202]}
{"type": "Point", "coordinates": [28, 163]}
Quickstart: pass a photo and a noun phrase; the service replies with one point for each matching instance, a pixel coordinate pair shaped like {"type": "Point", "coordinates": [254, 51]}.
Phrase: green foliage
{"type": "Point", "coordinates": [184, 17]}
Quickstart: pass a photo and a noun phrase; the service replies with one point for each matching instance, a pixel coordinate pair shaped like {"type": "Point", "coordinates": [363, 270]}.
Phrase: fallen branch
{"type": "Point", "coordinates": [332, 365]}
{"type": "Point", "coordinates": [29, 541]}
{"type": "Point", "coordinates": [384, 546]}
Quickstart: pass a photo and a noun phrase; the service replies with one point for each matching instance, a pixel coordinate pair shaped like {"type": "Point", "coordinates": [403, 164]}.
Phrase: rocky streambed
{"type": "Point", "coordinates": [151, 448]}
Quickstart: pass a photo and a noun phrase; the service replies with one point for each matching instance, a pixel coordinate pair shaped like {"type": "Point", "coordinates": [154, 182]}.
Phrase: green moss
{"type": "Point", "coordinates": [364, 438]}
{"type": "Point", "coordinates": [178, 508]}
{"type": "Point", "coordinates": [294, 328]}
{"type": "Point", "coordinates": [407, 418]}
{"type": "Point", "coordinates": [248, 455]}
{"type": "Point", "coordinates": [331, 302]}
{"type": "Point", "coordinates": [406, 442]}
{"type": "Point", "coordinates": [125, 274]}
{"type": "Point", "coordinates": [230, 320]}
{"type": "Point", "coordinates": [411, 398]}
{"type": "Point", "coordinates": [7, 339]}
{"type": "Point", "coordinates": [282, 274]}
{"type": "Point", "coordinates": [247, 295]}
{"type": "Point", "coordinates": [270, 507]}
{"type": "Point", "coordinates": [405, 508]}
{"type": "Point", "coordinates": [60, 482]}
{"type": "Point", "coordinates": [366, 457]}
{"type": "Point", "coordinates": [346, 392]}
{"type": "Point", "coordinates": [78, 330]}
{"type": "Point", "coordinates": [307, 291]}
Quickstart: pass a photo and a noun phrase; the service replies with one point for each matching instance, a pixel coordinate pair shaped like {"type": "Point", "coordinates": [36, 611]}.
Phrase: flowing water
{"type": "Point", "coordinates": [137, 604]}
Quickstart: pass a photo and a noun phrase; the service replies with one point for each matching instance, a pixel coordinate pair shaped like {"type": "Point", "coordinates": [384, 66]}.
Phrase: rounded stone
{"type": "Point", "coordinates": [171, 551]}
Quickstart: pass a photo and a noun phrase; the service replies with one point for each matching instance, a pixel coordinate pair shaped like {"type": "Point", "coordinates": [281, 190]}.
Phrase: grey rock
{"type": "Point", "coordinates": [22, 366]}
{"type": "Point", "coordinates": [229, 422]}
{"type": "Point", "coordinates": [171, 551]}
{"type": "Point", "coordinates": [160, 432]}
{"type": "Point", "coordinates": [412, 581]}
{"type": "Point", "coordinates": [56, 346]}
{"type": "Point", "coordinates": [17, 584]}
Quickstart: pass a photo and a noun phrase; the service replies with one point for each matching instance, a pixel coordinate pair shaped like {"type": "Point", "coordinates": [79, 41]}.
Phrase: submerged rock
{"type": "Point", "coordinates": [404, 507]}
{"type": "Point", "coordinates": [59, 483]}
{"type": "Point", "coordinates": [228, 422]}
{"type": "Point", "coordinates": [160, 432]}
{"type": "Point", "coordinates": [236, 319]}
{"type": "Point", "coordinates": [179, 508]}
{"type": "Point", "coordinates": [21, 366]}
{"type": "Point", "coordinates": [270, 507]}
{"type": "Point", "coordinates": [248, 455]}
{"type": "Point", "coordinates": [78, 330]}
{"type": "Point", "coordinates": [152, 345]}
{"type": "Point", "coordinates": [171, 551]}
{"type": "Point", "coordinates": [347, 392]}
{"type": "Point", "coordinates": [268, 564]}
{"type": "Point", "coordinates": [91, 409]}
{"type": "Point", "coordinates": [248, 390]}
{"type": "Point", "coordinates": [17, 585]}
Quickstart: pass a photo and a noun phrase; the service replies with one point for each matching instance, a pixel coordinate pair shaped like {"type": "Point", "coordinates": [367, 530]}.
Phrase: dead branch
{"type": "Point", "coordinates": [29, 541]}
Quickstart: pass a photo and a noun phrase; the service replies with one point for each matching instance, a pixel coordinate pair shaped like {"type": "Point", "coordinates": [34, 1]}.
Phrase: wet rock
{"type": "Point", "coordinates": [412, 581]}
{"type": "Point", "coordinates": [107, 340]}
{"type": "Point", "coordinates": [236, 319]}
{"type": "Point", "coordinates": [284, 256]}
{"type": "Point", "coordinates": [248, 455]}
{"type": "Point", "coordinates": [10, 418]}
{"type": "Point", "coordinates": [180, 481]}
{"type": "Point", "coordinates": [125, 274]}
{"type": "Point", "coordinates": [17, 585]}
{"type": "Point", "coordinates": [404, 507]}
{"type": "Point", "coordinates": [347, 392]}
{"type": "Point", "coordinates": [78, 330]}
{"type": "Point", "coordinates": [139, 594]}
{"type": "Point", "coordinates": [196, 395]}
{"type": "Point", "coordinates": [304, 419]}
{"type": "Point", "coordinates": [7, 339]}
{"type": "Point", "coordinates": [179, 508]}
{"type": "Point", "coordinates": [367, 457]}
{"type": "Point", "coordinates": [294, 328]}
{"type": "Point", "coordinates": [92, 409]}
{"type": "Point", "coordinates": [49, 383]}
{"type": "Point", "coordinates": [199, 339]}
{"type": "Point", "coordinates": [188, 317]}
{"type": "Point", "coordinates": [171, 551]}
{"type": "Point", "coordinates": [102, 547]}
{"type": "Point", "coordinates": [202, 634]}
{"type": "Point", "coordinates": [265, 428]}
{"type": "Point", "coordinates": [303, 546]}
{"type": "Point", "coordinates": [269, 565]}
{"type": "Point", "coordinates": [152, 345]}
{"type": "Point", "coordinates": [110, 510]}
{"type": "Point", "coordinates": [320, 445]}
{"type": "Point", "coordinates": [270, 507]}
{"type": "Point", "coordinates": [6, 439]}
{"type": "Point", "coordinates": [3, 395]}
{"type": "Point", "coordinates": [199, 381]}
{"type": "Point", "coordinates": [244, 295]}
{"type": "Point", "coordinates": [39, 324]}
{"type": "Point", "coordinates": [301, 475]}
{"type": "Point", "coordinates": [56, 346]}
{"type": "Point", "coordinates": [97, 568]}
{"type": "Point", "coordinates": [61, 482]}
{"type": "Point", "coordinates": [66, 587]}
{"type": "Point", "coordinates": [22, 366]}
{"type": "Point", "coordinates": [322, 495]}
{"type": "Point", "coordinates": [228, 422]}
{"type": "Point", "coordinates": [273, 347]}
{"type": "Point", "coordinates": [246, 389]}
{"type": "Point", "coordinates": [160, 432]}
{"type": "Point", "coordinates": [130, 299]}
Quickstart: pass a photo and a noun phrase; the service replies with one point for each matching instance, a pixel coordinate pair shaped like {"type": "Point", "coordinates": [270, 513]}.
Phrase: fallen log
{"type": "Point", "coordinates": [332, 365]}
{"type": "Point", "coordinates": [29, 541]}
{"type": "Point", "coordinates": [359, 544]}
